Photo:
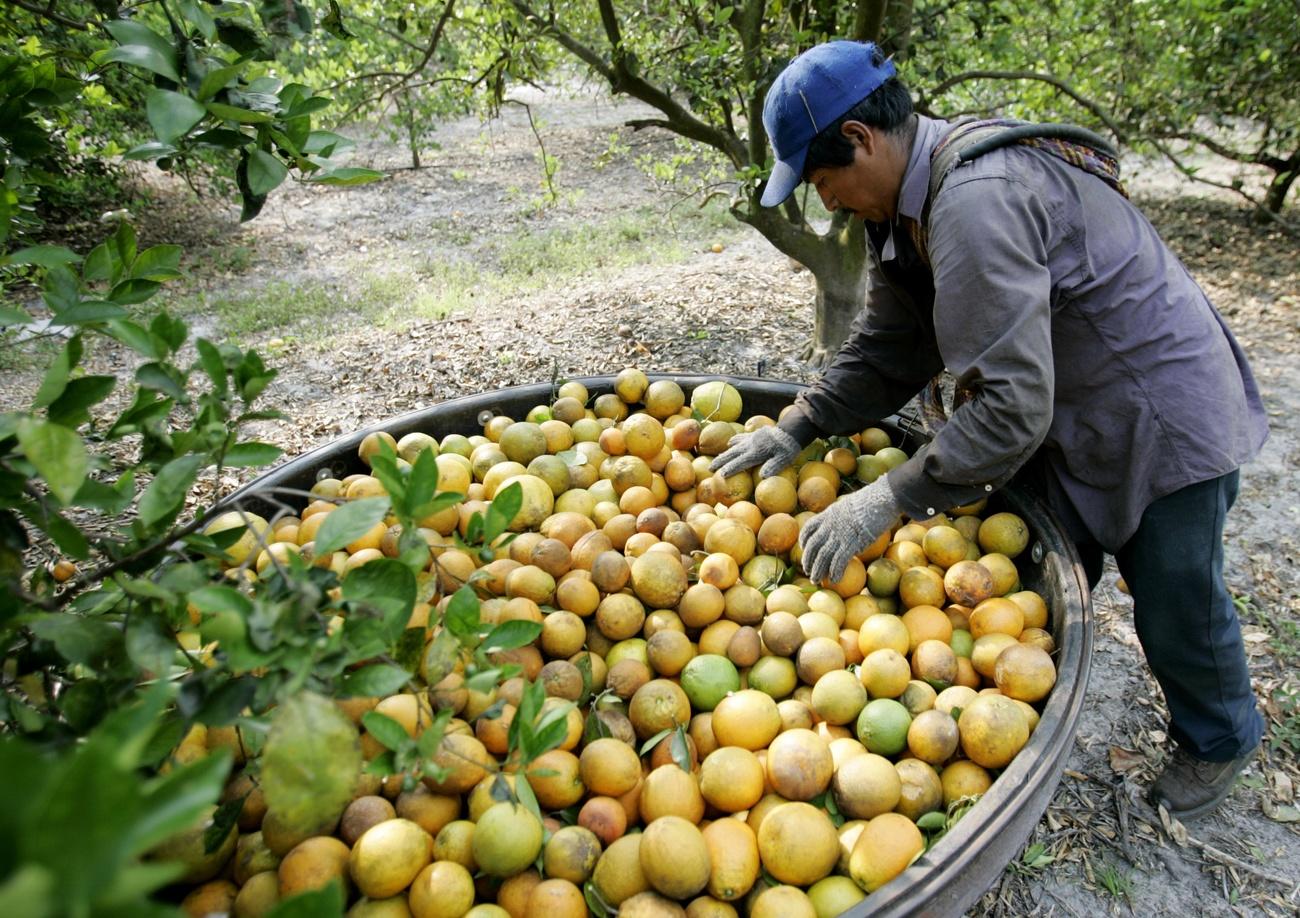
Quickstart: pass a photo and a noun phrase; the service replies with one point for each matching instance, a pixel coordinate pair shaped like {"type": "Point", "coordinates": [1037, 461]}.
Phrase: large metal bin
{"type": "Point", "coordinates": [948, 878]}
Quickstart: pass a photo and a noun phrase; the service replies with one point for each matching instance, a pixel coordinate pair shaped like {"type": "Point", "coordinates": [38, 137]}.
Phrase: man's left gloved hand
{"type": "Point", "coordinates": [845, 528]}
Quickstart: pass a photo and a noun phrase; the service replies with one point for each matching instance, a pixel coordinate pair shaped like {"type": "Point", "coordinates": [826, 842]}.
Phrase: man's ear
{"type": "Point", "coordinates": [858, 133]}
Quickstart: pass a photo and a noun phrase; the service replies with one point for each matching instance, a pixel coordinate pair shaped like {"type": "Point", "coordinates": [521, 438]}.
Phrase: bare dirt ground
{"type": "Point", "coordinates": [747, 310]}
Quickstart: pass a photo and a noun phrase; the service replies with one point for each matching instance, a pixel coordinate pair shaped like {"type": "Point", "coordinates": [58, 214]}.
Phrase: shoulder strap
{"type": "Point", "coordinates": [971, 139]}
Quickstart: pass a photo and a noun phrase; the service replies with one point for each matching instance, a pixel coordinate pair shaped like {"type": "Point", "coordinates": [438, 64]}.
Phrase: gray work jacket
{"type": "Point", "coordinates": [1087, 344]}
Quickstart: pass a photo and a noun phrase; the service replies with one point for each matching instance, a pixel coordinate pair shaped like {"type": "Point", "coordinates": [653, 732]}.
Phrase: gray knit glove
{"type": "Point", "coordinates": [771, 446]}
{"type": "Point", "coordinates": [845, 528]}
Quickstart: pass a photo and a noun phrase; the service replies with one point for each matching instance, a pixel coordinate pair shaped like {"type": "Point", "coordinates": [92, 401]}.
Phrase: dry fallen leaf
{"type": "Point", "coordinates": [1122, 760]}
{"type": "Point", "coordinates": [1280, 813]}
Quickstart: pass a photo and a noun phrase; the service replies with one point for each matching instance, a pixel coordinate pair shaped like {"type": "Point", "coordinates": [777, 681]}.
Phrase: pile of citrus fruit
{"type": "Point", "coordinates": [765, 745]}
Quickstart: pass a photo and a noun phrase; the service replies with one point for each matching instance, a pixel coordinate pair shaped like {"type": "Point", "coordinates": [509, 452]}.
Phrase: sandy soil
{"type": "Point", "coordinates": [747, 310]}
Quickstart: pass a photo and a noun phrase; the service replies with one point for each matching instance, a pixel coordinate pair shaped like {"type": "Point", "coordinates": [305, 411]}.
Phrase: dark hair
{"type": "Point", "coordinates": [888, 107]}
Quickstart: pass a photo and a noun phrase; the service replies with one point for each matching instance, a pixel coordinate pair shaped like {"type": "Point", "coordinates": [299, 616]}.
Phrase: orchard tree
{"type": "Point", "coordinates": [182, 83]}
{"type": "Point", "coordinates": [1210, 75]}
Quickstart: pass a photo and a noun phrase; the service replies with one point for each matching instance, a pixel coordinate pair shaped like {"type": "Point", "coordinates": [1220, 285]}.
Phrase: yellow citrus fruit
{"type": "Point", "coordinates": [933, 736]}
{"type": "Point", "coordinates": [1004, 533]}
{"type": "Point", "coordinates": [799, 764]}
{"type": "Point", "coordinates": [748, 718]}
{"type": "Point", "coordinates": [731, 779]}
{"type": "Point", "coordinates": [888, 843]}
{"type": "Point", "coordinates": [866, 785]}
{"type": "Point", "coordinates": [733, 858]}
{"type": "Point", "coordinates": [798, 843]}
{"type": "Point", "coordinates": [993, 729]}
{"type": "Point", "coordinates": [444, 889]}
{"type": "Point", "coordinates": [388, 857]}
{"type": "Point", "coordinates": [618, 874]}
{"type": "Point", "coordinates": [963, 778]}
{"type": "Point", "coordinates": [507, 839]}
{"type": "Point", "coordinates": [675, 857]}
{"type": "Point", "coordinates": [782, 902]}
{"type": "Point", "coordinates": [1024, 672]}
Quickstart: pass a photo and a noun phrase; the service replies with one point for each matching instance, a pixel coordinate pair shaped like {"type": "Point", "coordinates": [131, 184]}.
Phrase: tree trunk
{"type": "Point", "coordinates": [896, 38]}
{"type": "Point", "coordinates": [839, 300]}
{"type": "Point", "coordinates": [1278, 189]}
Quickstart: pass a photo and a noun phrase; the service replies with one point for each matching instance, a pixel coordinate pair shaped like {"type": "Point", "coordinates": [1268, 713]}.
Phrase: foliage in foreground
{"type": "Point", "coordinates": [146, 630]}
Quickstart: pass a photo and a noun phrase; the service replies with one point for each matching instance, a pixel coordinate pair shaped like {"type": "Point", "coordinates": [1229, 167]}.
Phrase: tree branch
{"type": "Point", "coordinates": [1260, 158]}
{"type": "Point", "coordinates": [623, 79]}
{"type": "Point", "coordinates": [1285, 225]}
{"type": "Point", "coordinates": [48, 13]}
{"type": "Point", "coordinates": [406, 75]}
{"type": "Point", "coordinates": [1086, 103]}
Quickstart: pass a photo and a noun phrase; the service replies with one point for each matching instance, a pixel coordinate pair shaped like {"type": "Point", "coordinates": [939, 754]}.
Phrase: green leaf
{"type": "Point", "coordinates": [140, 46]}
{"type": "Point", "coordinates": [161, 378]}
{"type": "Point", "coordinates": [388, 586]}
{"type": "Point", "coordinates": [127, 293]}
{"type": "Point", "coordinates": [439, 657]}
{"type": "Point", "coordinates": [59, 372]}
{"type": "Point", "coordinates": [932, 822]}
{"type": "Point", "coordinates": [389, 733]}
{"type": "Point", "coordinates": [252, 455]}
{"type": "Point", "coordinates": [238, 115]}
{"type": "Point", "coordinates": [462, 615]}
{"type": "Point", "coordinates": [311, 762]}
{"type": "Point", "coordinates": [77, 639]}
{"type": "Point", "coordinates": [512, 634]}
{"type": "Point", "coordinates": [87, 311]}
{"type": "Point", "coordinates": [137, 339]}
{"type": "Point", "coordinates": [216, 80]}
{"type": "Point", "coordinates": [193, 11]}
{"type": "Point", "coordinates": [70, 408]}
{"type": "Point", "coordinates": [58, 455]}
{"type": "Point", "coordinates": [165, 494]}
{"type": "Point", "coordinates": [350, 522]}
{"type": "Point", "coordinates": [158, 262]}
{"type": "Point", "coordinates": [326, 902]}
{"type": "Point", "coordinates": [505, 505]}
{"type": "Point", "coordinates": [175, 801]}
{"type": "Point", "coordinates": [150, 150]}
{"type": "Point", "coordinates": [377, 681]}
{"type": "Point", "coordinates": [265, 172]}
{"type": "Point", "coordinates": [213, 365]}
{"type": "Point", "coordinates": [42, 256]}
{"type": "Point", "coordinates": [655, 740]}
{"type": "Point", "coordinates": [171, 114]}
{"type": "Point", "coordinates": [10, 316]}
{"type": "Point", "coordinates": [347, 176]}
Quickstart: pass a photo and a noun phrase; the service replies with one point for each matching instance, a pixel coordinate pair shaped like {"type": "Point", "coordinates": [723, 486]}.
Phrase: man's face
{"type": "Point", "coordinates": [867, 186]}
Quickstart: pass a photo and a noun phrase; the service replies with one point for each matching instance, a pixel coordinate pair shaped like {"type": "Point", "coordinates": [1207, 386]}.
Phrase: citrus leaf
{"type": "Point", "coordinates": [511, 635]}
{"type": "Point", "coordinates": [140, 46]}
{"type": "Point", "coordinates": [171, 114]}
{"type": "Point", "coordinates": [388, 586]}
{"type": "Point", "coordinates": [377, 681]}
{"type": "Point", "coordinates": [265, 172]}
{"type": "Point", "coordinates": [58, 454]}
{"type": "Point", "coordinates": [311, 763]}
{"type": "Point", "coordinates": [252, 454]}
{"type": "Point", "coordinates": [166, 493]}
{"type": "Point", "coordinates": [350, 522]}
{"type": "Point", "coordinates": [390, 734]}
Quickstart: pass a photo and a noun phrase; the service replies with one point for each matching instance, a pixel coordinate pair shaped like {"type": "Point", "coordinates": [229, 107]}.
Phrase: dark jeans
{"type": "Point", "coordinates": [1186, 621]}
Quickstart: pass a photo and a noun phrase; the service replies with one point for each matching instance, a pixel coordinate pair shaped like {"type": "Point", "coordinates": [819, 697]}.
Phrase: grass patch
{"type": "Point", "coordinates": [467, 275]}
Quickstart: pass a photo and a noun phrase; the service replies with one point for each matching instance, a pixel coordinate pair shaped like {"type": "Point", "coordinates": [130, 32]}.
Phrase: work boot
{"type": "Point", "coordinates": [1190, 787]}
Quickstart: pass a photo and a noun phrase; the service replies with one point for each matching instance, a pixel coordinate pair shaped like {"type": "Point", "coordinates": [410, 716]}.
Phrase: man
{"type": "Point", "coordinates": [1095, 367]}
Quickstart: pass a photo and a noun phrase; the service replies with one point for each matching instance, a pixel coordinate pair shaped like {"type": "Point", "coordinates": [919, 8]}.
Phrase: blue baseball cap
{"type": "Point", "coordinates": [809, 95]}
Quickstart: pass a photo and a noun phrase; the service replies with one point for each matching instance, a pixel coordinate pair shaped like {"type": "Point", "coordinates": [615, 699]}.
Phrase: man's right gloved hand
{"type": "Point", "coordinates": [771, 446]}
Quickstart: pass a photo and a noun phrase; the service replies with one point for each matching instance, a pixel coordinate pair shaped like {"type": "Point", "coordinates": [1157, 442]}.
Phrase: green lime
{"type": "Point", "coordinates": [707, 679]}
{"type": "Point", "coordinates": [962, 643]}
{"type": "Point", "coordinates": [882, 726]}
